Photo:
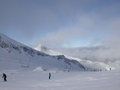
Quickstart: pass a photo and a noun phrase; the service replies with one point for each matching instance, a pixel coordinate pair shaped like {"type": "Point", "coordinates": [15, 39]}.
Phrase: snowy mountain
{"type": "Point", "coordinates": [102, 54]}
{"type": "Point", "coordinates": [14, 55]}
{"type": "Point", "coordinates": [87, 63]}
{"type": "Point", "coordinates": [86, 53]}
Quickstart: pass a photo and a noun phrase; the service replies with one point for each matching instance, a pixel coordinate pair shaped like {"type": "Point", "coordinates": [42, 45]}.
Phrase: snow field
{"type": "Point", "coordinates": [35, 80]}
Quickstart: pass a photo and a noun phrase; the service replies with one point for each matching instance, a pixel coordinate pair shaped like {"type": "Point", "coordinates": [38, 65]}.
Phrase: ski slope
{"type": "Point", "coordinates": [38, 80]}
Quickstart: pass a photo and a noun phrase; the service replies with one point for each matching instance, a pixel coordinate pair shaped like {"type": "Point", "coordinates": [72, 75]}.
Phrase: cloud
{"type": "Point", "coordinates": [26, 17]}
{"type": "Point", "coordinates": [108, 50]}
{"type": "Point", "coordinates": [60, 22]}
{"type": "Point", "coordinates": [98, 28]}
{"type": "Point", "coordinates": [89, 27]}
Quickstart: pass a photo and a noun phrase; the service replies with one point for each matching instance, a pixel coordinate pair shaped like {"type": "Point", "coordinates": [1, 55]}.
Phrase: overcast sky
{"type": "Point", "coordinates": [61, 23]}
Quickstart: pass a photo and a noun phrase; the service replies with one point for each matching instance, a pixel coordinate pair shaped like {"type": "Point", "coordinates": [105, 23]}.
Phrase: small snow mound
{"type": "Point", "coordinates": [38, 69]}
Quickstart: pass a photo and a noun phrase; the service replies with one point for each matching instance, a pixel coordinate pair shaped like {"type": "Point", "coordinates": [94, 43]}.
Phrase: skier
{"type": "Point", "coordinates": [49, 75]}
{"type": "Point", "coordinates": [4, 77]}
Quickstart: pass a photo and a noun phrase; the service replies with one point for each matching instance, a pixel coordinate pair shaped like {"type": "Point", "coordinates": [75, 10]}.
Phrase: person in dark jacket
{"type": "Point", "coordinates": [49, 75]}
{"type": "Point", "coordinates": [4, 77]}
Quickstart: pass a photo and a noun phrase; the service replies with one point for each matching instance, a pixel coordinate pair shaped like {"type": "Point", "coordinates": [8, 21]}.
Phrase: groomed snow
{"type": "Point", "coordinates": [38, 80]}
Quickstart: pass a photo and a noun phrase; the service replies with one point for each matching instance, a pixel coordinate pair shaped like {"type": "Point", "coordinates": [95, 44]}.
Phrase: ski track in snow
{"type": "Point", "coordinates": [109, 80]}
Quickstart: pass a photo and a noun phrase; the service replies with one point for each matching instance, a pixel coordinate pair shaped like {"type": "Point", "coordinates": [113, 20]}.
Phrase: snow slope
{"type": "Point", "coordinates": [105, 54]}
{"type": "Point", "coordinates": [14, 55]}
{"type": "Point", "coordinates": [89, 64]}
{"type": "Point", "coordinates": [61, 81]}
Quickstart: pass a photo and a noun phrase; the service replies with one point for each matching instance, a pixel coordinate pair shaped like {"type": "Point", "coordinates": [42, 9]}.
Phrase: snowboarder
{"type": "Point", "coordinates": [49, 75]}
{"type": "Point", "coordinates": [4, 77]}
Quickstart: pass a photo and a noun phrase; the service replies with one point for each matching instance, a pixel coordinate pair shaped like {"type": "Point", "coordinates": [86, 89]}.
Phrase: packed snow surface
{"type": "Point", "coordinates": [38, 80]}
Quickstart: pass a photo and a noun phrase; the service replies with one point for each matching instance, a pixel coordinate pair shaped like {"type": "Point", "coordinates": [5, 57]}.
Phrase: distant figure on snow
{"type": "Point", "coordinates": [49, 75]}
{"type": "Point", "coordinates": [4, 77]}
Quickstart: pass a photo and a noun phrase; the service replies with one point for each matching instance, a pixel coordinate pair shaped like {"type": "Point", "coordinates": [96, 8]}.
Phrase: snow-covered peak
{"type": "Point", "coordinates": [14, 55]}
{"type": "Point", "coordinates": [6, 39]}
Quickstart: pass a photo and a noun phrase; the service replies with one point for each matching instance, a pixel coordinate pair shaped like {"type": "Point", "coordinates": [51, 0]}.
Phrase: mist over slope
{"type": "Point", "coordinates": [88, 63]}
{"type": "Point", "coordinates": [106, 54]}
{"type": "Point", "coordinates": [15, 55]}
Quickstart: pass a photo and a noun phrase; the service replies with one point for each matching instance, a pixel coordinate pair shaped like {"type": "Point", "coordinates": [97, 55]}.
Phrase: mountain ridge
{"type": "Point", "coordinates": [27, 55]}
